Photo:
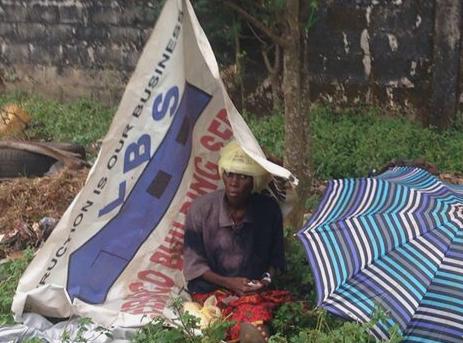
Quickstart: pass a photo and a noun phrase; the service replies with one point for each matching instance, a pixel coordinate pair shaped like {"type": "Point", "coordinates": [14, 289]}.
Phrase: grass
{"type": "Point", "coordinates": [350, 144]}
{"type": "Point", "coordinates": [347, 144]}
{"type": "Point", "coordinates": [10, 272]}
{"type": "Point", "coordinates": [83, 122]}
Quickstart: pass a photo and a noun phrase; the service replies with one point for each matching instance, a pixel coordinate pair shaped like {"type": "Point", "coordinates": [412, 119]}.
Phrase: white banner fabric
{"type": "Point", "coordinates": [116, 254]}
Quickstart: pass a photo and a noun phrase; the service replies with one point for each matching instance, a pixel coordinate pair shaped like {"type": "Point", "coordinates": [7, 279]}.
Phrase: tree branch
{"type": "Point", "coordinates": [267, 61]}
{"type": "Point", "coordinates": [263, 42]}
{"type": "Point", "coordinates": [254, 21]}
{"type": "Point", "coordinates": [276, 63]}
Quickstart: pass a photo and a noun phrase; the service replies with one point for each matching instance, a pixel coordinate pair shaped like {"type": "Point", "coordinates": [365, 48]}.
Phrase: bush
{"type": "Point", "coordinates": [346, 144]}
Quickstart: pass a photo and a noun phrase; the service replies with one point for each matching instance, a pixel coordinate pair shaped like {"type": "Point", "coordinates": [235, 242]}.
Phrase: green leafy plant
{"type": "Point", "coordinates": [184, 329]}
{"type": "Point", "coordinates": [291, 317]}
{"type": "Point", "coordinates": [84, 333]}
{"type": "Point", "coordinates": [297, 278]}
{"type": "Point", "coordinates": [33, 340]}
{"type": "Point", "coordinates": [347, 143]}
{"type": "Point", "coordinates": [319, 327]}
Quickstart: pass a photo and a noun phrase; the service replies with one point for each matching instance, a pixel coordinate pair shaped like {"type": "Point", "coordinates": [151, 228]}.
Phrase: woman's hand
{"type": "Point", "coordinates": [242, 285]}
{"type": "Point", "coordinates": [265, 283]}
{"type": "Point", "coordinates": [239, 285]}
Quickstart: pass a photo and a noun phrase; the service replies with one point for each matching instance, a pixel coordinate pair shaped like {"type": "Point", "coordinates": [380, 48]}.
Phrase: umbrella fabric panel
{"type": "Point", "coordinates": [383, 241]}
{"type": "Point", "coordinates": [349, 242]}
{"type": "Point", "coordinates": [364, 298]}
{"type": "Point", "coordinates": [440, 314]}
{"type": "Point", "coordinates": [396, 282]}
{"type": "Point", "coordinates": [419, 179]}
{"type": "Point", "coordinates": [379, 216]}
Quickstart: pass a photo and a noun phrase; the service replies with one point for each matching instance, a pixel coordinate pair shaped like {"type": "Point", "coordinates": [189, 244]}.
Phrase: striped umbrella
{"type": "Point", "coordinates": [394, 240]}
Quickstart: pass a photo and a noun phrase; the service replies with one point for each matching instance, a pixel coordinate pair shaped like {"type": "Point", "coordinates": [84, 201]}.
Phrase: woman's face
{"type": "Point", "coordinates": [238, 187]}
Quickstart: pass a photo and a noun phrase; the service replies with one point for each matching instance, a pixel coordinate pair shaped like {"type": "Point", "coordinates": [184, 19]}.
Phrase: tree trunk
{"type": "Point", "coordinates": [305, 109]}
{"type": "Point", "coordinates": [296, 124]}
{"type": "Point", "coordinates": [296, 96]}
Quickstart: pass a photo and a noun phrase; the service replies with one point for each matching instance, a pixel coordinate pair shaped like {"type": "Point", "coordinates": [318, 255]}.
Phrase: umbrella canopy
{"type": "Point", "coordinates": [394, 240]}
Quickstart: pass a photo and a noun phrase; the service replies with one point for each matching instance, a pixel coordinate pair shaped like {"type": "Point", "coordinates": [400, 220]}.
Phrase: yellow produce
{"type": "Point", "coordinates": [206, 314]}
{"type": "Point", "coordinates": [13, 120]}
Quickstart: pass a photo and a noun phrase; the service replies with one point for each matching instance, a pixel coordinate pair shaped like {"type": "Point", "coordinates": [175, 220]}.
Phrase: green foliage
{"type": "Point", "coordinates": [269, 131]}
{"type": "Point", "coordinates": [312, 19]}
{"type": "Point", "coordinates": [350, 143]}
{"type": "Point", "coordinates": [10, 272]}
{"type": "Point", "coordinates": [290, 318]}
{"type": "Point", "coordinates": [297, 278]}
{"type": "Point", "coordinates": [84, 333]}
{"type": "Point", "coordinates": [185, 331]}
{"type": "Point", "coordinates": [158, 331]}
{"type": "Point", "coordinates": [82, 121]}
{"type": "Point", "coordinates": [220, 27]}
{"type": "Point", "coordinates": [346, 144]}
{"type": "Point", "coordinates": [33, 340]}
{"type": "Point", "coordinates": [268, 12]}
{"type": "Point", "coordinates": [303, 326]}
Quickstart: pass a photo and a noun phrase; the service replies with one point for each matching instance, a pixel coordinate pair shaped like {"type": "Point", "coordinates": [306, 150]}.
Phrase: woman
{"type": "Point", "coordinates": [234, 243]}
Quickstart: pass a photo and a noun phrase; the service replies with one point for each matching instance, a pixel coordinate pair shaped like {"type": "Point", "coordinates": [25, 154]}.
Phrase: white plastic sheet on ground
{"type": "Point", "coordinates": [116, 254]}
{"type": "Point", "coordinates": [38, 327]}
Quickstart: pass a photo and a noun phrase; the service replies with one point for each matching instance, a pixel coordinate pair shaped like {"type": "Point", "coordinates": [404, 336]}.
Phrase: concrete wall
{"type": "Point", "coordinates": [71, 48]}
{"type": "Point", "coordinates": [374, 51]}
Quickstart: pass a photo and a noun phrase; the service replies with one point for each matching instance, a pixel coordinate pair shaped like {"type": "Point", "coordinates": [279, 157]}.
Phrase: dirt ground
{"type": "Point", "coordinates": [456, 179]}
{"type": "Point", "coordinates": [30, 207]}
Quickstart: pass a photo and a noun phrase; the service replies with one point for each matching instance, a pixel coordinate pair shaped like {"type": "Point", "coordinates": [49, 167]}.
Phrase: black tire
{"type": "Point", "coordinates": [71, 147]}
{"type": "Point", "coordinates": [16, 162]}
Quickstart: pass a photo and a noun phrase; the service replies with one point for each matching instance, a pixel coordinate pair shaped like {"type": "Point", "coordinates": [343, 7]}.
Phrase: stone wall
{"type": "Point", "coordinates": [72, 48]}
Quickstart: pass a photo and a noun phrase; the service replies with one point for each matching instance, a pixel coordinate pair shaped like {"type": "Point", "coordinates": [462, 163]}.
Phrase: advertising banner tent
{"type": "Point", "coordinates": [116, 254]}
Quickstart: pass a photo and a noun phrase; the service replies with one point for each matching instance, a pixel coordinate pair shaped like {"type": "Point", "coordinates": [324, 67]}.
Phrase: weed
{"type": "Point", "coordinates": [345, 144]}
{"type": "Point", "coordinates": [33, 340]}
{"type": "Point", "coordinates": [297, 278]}
{"type": "Point", "coordinates": [84, 333]}
{"type": "Point", "coordinates": [10, 272]}
{"type": "Point", "coordinates": [186, 329]}
{"type": "Point", "coordinates": [159, 331]}
{"type": "Point", "coordinates": [318, 327]}
{"type": "Point", "coordinates": [291, 317]}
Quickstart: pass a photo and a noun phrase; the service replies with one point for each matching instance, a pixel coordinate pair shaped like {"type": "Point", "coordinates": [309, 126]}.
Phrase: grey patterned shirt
{"type": "Point", "coordinates": [213, 242]}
